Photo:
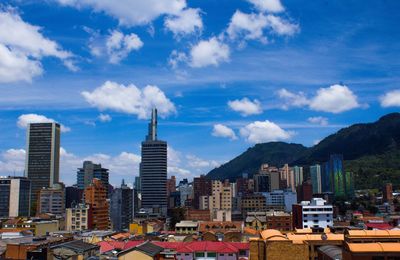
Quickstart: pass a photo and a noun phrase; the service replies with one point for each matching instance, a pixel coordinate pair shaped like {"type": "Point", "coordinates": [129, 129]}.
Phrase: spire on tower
{"type": "Point", "coordinates": [152, 132]}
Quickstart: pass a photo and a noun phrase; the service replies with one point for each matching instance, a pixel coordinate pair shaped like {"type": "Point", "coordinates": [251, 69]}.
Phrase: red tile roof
{"type": "Point", "coordinates": [378, 226]}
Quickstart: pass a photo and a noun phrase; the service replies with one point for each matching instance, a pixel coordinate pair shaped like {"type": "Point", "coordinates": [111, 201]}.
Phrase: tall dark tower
{"type": "Point", "coordinates": [153, 171]}
{"type": "Point", "coordinates": [42, 164]}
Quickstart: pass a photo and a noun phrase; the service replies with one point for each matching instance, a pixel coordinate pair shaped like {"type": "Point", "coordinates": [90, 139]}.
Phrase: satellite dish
{"type": "Point", "coordinates": [324, 237]}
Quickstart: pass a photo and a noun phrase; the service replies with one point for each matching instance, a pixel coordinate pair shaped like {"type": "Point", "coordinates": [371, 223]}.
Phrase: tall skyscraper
{"type": "Point", "coordinates": [88, 172]}
{"type": "Point", "coordinates": [298, 175]}
{"type": "Point", "coordinates": [153, 171]}
{"type": "Point", "coordinates": [315, 174]}
{"type": "Point", "coordinates": [14, 196]}
{"type": "Point", "coordinates": [42, 164]}
{"type": "Point", "coordinates": [337, 174]}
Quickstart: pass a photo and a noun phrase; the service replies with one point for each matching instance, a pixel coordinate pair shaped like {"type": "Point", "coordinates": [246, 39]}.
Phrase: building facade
{"type": "Point", "coordinates": [122, 207]}
{"type": "Point", "coordinates": [42, 163]}
{"type": "Point", "coordinates": [96, 196]}
{"type": "Point", "coordinates": [14, 196]}
{"type": "Point", "coordinates": [311, 214]}
{"type": "Point", "coordinates": [153, 171]}
{"type": "Point", "coordinates": [201, 187]}
{"type": "Point", "coordinates": [315, 174]}
{"type": "Point", "coordinates": [88, 172]}
{"type": "Point", "coordinates": [78, 218]}
{"type": "Point", "coordinates": [280, 200]}
{"type": "Point", "coordinates": [51, 200]}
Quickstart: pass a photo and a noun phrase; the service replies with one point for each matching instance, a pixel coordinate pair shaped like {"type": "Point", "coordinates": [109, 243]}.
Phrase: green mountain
{"type": "Point", "coordinates": [371, 151]}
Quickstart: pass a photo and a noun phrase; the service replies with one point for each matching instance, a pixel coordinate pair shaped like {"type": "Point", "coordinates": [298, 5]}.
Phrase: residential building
{"type": "Point", "coordinates": [314, 213]}
{"type": "Point", "coordinates": [121, 207]}
{"type": "Point", "coordinates": [171, 185]}
{"type": "Point", "coordinates": [186, 191]}
{"type": "Point", "coordinates": [79, 217]}
{"type": "Point", "coordinates": [75, 249]}
{"type": "Point", "coordinates": [153, 171]}
{"type": "Point", "coordinates": [201, 187]}
{"type": "Point", "coordinates": [278, 220]}
{"type": "Point", "coordinates": [186, 227]}
{"type": "Point", "coordinates": [204, 202]}
{"type": "Point", "coordinates": [42, 163]}
{"type": "Point", "coordinates": [90, 171]}
{"type": "Point", "coordinates": [316, 181]}
{"type": "Point", "coordinates": [304, 191]}
{"type": "Point", "coordinates": [253, 202]}
{"type": "Point", "coordinates": [197, 214]}
{"type": "Point", "coordinates": [221, 215]}
{"type": "Point", "coordinates": [267, 179]}
{"type": "Point", "coordinates": [280, 200]}
{"type": "Point", "coordinates": [221, 197]}
{"type": "Point", "coordinates": [52, 200]}
{"type": "Point", "coordinates": [96, 196]}
{"type": "Point", "coordinates": [387, 192]}
{"type": "Point", "coordinates": [220, 226]}
{"type": "Point", "coordinates": [14, 196]}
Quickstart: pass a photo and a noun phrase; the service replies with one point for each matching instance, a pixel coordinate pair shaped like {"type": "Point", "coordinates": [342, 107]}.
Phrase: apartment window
{"type": "Point", "coordinates": [199, 254]}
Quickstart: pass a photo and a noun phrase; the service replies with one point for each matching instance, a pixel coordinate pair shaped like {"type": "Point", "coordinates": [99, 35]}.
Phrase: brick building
{"type": "Point", "coordinates": [96, 196]}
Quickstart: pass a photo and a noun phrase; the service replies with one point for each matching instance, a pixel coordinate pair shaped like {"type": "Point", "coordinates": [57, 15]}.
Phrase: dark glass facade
{"type": "Point", "coordinates": [43, 156]}
{"type": "Point", "coordinates": [88, 172]}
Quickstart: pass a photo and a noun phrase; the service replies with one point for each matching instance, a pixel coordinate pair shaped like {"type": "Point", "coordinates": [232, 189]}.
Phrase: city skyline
{"type": "Point", "coordinates": [348, 52]}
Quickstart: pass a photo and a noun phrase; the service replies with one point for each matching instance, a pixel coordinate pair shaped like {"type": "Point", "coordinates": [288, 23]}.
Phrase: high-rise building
{"type": "Point", "coordinates": [42, 164]}
{"type": "Point", "coordinates": [14, 196]}
{"type": "Point", "coordinates": [315, 174]}
{"type": "Point", "coordinates": [171, 185]}
{"type": "Point", "coordinates": [337, 174]}
{"type": "Point", "coordinates": [51, 200]}
{"type": "Point", "coordinates": [221, 197]}
{"type": "Point", "coordinates": [186, 192]}
{"type": "Point", "coordinates": [201, 187]}
{"type": "Point", "coordinates": [298, 175]}
{"type": "Point", "coordinates": [326, 181]}
{"type": "Point", "coordinates": [88, 172]}
{"type": "Point", "coordinates": [314, 213]}
{"type": "Point", "coordinates": [267, 179]}
{"type": "Point", "coordinates": [349, 184]}
{"type": "Point", "coordinates": [137, 184]}
{"type": "Point", "coordinates": [121, 207]}
{"type": "Point", "coordinates": [387, 193]}
{"type": "Point", "coordinates": [304, 191]}
{"type": "Point", "coordinates": [280, 200]}
{"type": "Point", "coordinates": [153, 171]}
{"type": "Point", "coordinates": [96, 196]}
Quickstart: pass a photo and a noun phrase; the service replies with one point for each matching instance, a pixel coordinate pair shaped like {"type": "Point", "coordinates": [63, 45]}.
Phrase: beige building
{"type": "Point", "coordinates": [186, 227]}
{"type": "Point", "coordinates": [204, 202]}
{"type": "Point", "coordinates": [78, 218]}
{"type": "Point", "coordinates": [221, 197]}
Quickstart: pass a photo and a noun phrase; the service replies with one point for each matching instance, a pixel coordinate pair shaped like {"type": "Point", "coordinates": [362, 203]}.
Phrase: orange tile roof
{"type": "Point", "coordinates": [373, 233]}
{"type": "Point", "coordinates": [315, 237]}
{"type": "Point", "coordinates": [272, 234]}
{"type": "Point", "coordinates": [373, 247]}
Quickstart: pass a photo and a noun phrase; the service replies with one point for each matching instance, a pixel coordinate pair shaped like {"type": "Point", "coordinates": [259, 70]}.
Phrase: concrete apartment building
{"type": "Point", "coordinates": [51, 200]}
{"type": "Point", "coordinates": [96, 197]}
{"type": "Point", "coordinates": [15, 196]}
{"type": "Point", "coordinates": [78, 218]}
{"type": "Point", "coordinates": [314, 213]}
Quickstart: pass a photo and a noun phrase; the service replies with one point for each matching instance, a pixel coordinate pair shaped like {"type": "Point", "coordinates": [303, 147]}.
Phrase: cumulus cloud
{"type": "Point", "coordinates": [274, 6]}
{"type": "Point", "coordinates": [104, 118]}
{"type": "Point", "coordinates": [116, 46]}
{"type": "Point", "coordinates": [390, 99]}
{"type": "Point", "coordinates": [209, 52]}
{"type": "Point", "coordinates": [199, 163]}
{"type": "Point", "coordinates": [12, 161]}
{"type": "Point", "coordinates": [188, 21]}
{"type": "Point", "coordinates": [245, 106]}
{"type": "Point", "coordinates": [290, 99]}
{"type": "Point", "coordinates": [220, 130]}
{"type": "Point", "coordinates": [22, 47]}
{"type": "Point", "coordinates": [334, 99]}
{"type": "Point", "coordinates": [130, 99]}
{"type": "Point", "coordinates": [25, 119]}
{"type": "Point", "coordinates": [131, 12]}
{"type": "Point", "coordinates": [177, 58]}
{"type": "Point", "coordinates": [252, 26]}
{"type": "Point", "coordinates": [264, 131]}
{"type": "Point", "coordinates": [318, 120]}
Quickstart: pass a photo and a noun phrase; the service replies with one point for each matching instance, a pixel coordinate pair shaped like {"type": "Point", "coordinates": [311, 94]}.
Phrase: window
{"type": "Point", "coordinates": [199, 254]}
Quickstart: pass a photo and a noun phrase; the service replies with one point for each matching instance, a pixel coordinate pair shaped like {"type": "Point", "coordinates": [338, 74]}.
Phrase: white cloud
{"type": "Point", "coordinates": [391, 99]}
{"type": "Point", "coordinates": [119, 45]}
{"type": "Point", "coordinates": [131, 12]}
{"type": "Point", "coordinates": [12, 161]}
{"type": "Point", "coordinates": [264, 131]}
{"type": "Point", "coordinates": [22, 46]}
{"type": "Point", "coordinates": [274, 6]}
{"type": "Point", "coordinates": [104, 118]}
{"type": "Point", "coordinates": [130, 99]}
{"type": "Point", "coordinates": [318, 120]}
{"type": "Point", "coordinates": [209, 52]}
{"type": "Point", "coordinates": [220, 130]}
{"type": "Point", "coordinates": [199, 163]}
{"type": "Point", "coordinates": [251, 26]}
{"type": "Point", "coordinates": [187, 21]}
{"type": "Point", "coordinates": [176, 58]}
{"type": "Point", "coordinates": [25, 119]}
{"type": "Point", "coordinates": [245, 106]}
{"type": "Point", "coordinates": [334, 99]}
{"type": "Point", "coordinates": [290, 99]}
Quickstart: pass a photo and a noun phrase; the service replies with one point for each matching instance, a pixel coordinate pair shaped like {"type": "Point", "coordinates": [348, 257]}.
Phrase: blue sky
{"type": "Point", "coordinates": [224, 75]}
